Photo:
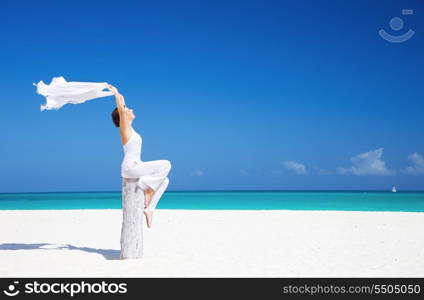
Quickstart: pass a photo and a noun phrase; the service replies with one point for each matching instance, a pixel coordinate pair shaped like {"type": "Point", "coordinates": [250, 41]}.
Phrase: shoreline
{"type": "Point", "coordinates": [216, 210]}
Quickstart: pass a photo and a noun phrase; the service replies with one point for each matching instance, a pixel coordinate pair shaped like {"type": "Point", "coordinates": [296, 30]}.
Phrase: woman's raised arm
{"type": "Point", "coordinates": [120, 102]}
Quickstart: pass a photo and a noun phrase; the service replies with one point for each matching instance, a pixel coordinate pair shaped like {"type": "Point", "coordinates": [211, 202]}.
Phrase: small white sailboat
{"type": "Point", "coordinates": [393, 189]}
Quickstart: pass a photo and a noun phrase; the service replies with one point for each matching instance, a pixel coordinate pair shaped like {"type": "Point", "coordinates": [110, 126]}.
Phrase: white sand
{"type": "Point", "coordinates": [214, 243]}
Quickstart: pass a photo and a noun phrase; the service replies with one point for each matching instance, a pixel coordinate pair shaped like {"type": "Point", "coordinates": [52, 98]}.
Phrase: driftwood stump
{"type": "Point", "coordinates": [132, 219]}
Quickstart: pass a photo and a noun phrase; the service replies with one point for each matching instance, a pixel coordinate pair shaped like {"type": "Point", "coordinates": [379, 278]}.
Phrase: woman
{"type": "Point", "coordinates": [152, 174]}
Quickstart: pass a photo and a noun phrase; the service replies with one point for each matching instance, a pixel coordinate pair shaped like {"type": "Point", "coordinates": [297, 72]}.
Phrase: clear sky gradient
{"type": "Point", "coordinates": [236, 94]}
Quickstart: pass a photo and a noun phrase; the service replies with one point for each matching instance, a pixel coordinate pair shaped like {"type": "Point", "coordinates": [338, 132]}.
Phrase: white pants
{"type": "Point", "coordinates": [151, 174]}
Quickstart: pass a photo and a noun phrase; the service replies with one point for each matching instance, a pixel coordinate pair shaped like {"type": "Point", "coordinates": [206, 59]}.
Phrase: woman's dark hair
{"type": "Point", "coordinates": [115, 117]}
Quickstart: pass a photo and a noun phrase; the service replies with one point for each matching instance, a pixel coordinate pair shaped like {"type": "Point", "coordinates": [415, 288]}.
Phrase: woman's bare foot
{"type": "Point", "coordinates": [148, 194]}
{"type": "Point", "coordinates": [149, 215]}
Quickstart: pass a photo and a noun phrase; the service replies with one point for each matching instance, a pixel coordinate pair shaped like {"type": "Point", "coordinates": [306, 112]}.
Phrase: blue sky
{"type": "Point", "coordinates": [236, 94]}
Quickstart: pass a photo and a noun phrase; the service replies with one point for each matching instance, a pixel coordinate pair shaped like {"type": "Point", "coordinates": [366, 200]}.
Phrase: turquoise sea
{"type": "Point", "coordinates": [293, 200]}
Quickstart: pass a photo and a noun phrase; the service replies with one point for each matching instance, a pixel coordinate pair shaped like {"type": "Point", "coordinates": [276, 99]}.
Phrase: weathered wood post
{"type": "Point", "coordinates": [132, 219]}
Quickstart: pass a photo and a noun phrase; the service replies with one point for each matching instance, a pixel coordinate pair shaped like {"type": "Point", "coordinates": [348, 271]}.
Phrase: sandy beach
{"type": "Point", "coordinates": [214, 243]}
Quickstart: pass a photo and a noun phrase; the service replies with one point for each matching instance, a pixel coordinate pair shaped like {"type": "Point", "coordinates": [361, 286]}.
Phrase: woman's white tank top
{"type": "Point", "coordinates": [132, 149]}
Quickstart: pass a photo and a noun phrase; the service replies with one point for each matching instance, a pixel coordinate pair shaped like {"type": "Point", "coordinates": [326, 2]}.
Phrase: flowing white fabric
{"type": "Point", "coordinates": [60, 92]}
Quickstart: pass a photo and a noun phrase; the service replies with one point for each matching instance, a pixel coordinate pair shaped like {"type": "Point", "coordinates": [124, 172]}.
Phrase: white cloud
{"type": "Point", "coordinates": [274, 172]}
{"type": "Point", "coordinates": [244, 172]}
{"type": "Point", "coordinates": [295, 167]}
{"type": "Point", "coordinates": [417, 164]}
{"type": "Point", "coordinates": [324, 172]}
{"type": "Point", "coordinates": [367, 163]}
{"type": "Point", "coordinates": [343, 171]}
{"type": "Point", "coordinates": [196, 173]}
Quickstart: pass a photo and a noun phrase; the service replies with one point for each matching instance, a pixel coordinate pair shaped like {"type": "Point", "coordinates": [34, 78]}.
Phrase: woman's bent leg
{"type": "Point", "coordinates": [158, 194]}
{"type": "Point", "coordinates": [154, 173]}
{"type": "Point", "coordinates": [150, 173]}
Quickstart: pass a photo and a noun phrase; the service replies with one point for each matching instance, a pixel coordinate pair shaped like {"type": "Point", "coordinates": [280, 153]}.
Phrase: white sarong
{"type": "Point", "coordinates": [60, 92]}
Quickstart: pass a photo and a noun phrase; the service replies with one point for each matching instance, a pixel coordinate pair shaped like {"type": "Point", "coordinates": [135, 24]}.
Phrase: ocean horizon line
{"type": "Point", "coordinates": [245, 190]}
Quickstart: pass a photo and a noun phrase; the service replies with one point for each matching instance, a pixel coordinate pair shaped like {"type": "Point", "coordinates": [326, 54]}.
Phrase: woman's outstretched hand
{"type": "Point", "coordinates": [119, 98]}
{"type": "Point", "coordinates": [113, 89]}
